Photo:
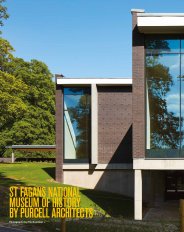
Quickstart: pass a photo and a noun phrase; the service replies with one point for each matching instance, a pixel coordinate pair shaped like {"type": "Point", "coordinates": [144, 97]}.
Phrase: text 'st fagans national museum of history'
{"type": "Point", "coordinates": [127, 135]}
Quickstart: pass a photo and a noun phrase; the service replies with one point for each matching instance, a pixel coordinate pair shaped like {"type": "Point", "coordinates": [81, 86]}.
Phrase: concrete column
{"type": "Point", "coordinates": [94, 124]}
{"type": "Point", "coordinates": [138, 194]}
{"type": "Point", "coordinates": [13, 157]}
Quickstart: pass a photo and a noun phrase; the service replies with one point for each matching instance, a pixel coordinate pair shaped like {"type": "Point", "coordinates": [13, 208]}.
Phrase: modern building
{"type": "Point", "coordinates": [127, 135]}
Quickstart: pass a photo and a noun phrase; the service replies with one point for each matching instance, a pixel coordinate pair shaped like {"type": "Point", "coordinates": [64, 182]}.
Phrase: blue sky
{"type": "Point", "coordinates": [78, 38]}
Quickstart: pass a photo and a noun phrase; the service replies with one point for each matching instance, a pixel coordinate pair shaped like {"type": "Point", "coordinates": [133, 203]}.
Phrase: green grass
{"type": "Point", "coordinates": [36, 174]}
{"type": "Point", "coordinates": [42, 174]}
{"type": "Point", "coordinates": [115, 205]}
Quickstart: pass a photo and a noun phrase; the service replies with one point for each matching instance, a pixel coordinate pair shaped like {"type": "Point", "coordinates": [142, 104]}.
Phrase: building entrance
{"type": "Point", "coordinates": [174, 189]}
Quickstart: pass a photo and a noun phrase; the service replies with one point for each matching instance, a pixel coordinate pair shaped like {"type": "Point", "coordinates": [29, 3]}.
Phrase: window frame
{"type": "Point", "coordinates": [86, 160]}
{"type": "Point", "coordinates": [181, 52]}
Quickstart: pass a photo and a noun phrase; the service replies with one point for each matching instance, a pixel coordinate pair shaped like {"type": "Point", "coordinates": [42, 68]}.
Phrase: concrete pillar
{"type": "Point", "coordinates": [94, 124]}
{"type": "Point", "coordinates": [13, 157]}
{"type": "Point", "coordinates": [137, 194]}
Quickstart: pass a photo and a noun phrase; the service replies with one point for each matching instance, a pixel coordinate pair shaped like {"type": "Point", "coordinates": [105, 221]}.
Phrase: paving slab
{"type": "Point", "coordinates": [168, 210]}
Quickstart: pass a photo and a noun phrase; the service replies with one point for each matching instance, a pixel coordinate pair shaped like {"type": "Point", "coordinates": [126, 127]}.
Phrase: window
{"type": "Point", "coordinates": [77, 124]}
{"type": "Point", "coordinates": [164, 97]}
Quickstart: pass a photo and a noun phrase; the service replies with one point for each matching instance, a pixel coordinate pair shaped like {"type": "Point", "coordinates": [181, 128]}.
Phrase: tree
{"type": "Point", "coordinates": [3, 13]}
{"type": "Point", "coordinates": [6, 54]}
{"type": "Point", "coordinates": [27, 92]}
{"type": "Point", "coordinates": [27, 96]}
{"type": "Point", "coordinates": [12, 93]}
{"type": "Point", "coordinates": [164, 124]}
{"type": "Point", "coordinates": [80, 117]}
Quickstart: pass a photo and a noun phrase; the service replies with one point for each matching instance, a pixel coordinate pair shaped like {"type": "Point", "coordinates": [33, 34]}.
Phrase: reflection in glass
{"type": "Point", "coordinates": [182, 104]}
{"type": "Point", "coordinates": [77, 123]}
{"type": "Point", "coordinates": [158, 46]}
{"type": "Point", "coordinates": [182, 46]}
{"type": "Point", "coordinates": [163, 101]}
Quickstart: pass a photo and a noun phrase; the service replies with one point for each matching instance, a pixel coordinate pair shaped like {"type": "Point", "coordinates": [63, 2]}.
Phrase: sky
{"type": "Point", "coordinates": [78, 38]}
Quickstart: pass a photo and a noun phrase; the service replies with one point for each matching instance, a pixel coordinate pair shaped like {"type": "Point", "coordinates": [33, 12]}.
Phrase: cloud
{"type": "Point", "coordinates": [174, 66]}
{"type": "Point", "coordinates": [173, 97]}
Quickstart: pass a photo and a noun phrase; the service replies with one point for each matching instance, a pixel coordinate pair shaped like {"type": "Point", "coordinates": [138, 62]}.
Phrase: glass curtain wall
{"type": "Point", "coordinates": [77, 124]}
{"type": "Point", "coordinates": [164, 97]}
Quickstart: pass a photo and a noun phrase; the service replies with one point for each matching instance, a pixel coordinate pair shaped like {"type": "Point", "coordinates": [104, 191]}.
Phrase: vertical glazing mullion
{"type": "Point", "coordinates": [180, 102]}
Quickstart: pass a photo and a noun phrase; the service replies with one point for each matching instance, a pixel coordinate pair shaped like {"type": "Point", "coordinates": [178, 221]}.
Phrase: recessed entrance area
{"type": "Point", "coordinates": [174, 185]}
{"type": "Point", "coordinates": [162, 191]}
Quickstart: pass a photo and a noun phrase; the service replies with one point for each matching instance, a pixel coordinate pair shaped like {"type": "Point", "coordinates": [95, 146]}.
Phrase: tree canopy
{"type": "Point", "coordinates": [164, 123]}
{"type": "Point", "coordinates": [27, 112]}
{"type": "Point", "coordinates": [3, 13]}
{"type": "Point", "coordinates": [27, 100]}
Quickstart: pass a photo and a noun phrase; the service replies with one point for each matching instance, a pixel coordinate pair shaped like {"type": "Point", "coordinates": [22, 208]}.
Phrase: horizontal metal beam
{"type": "Point", "coordinates": [32, 147]}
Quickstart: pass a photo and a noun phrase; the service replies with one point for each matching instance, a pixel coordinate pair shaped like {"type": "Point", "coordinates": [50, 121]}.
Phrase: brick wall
{"type": "Point", "coordinates": [59, 133]}
{"type": "Point", "coordinates": [115, 124]}
{"type": "Point", "coordinates": [138, 104]}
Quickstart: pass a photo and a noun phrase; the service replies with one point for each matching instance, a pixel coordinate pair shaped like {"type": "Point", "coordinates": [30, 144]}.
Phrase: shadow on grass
{"type": "Point", "coordinates": [50, 171]}
{"type": "Point", "coordinates": [5, 183]}
{"type": "Point", "coordinates": [15, 163]}
{"type": "Point", "coordinates": [113, 204]}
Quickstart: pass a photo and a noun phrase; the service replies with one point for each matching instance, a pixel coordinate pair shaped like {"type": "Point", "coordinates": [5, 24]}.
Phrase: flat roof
{"type": "Point", "coordinates": [97, 81]}
{"type": "Point", "coordinates": [33, 147]}
{"type": "Point", "coordinates": [160, 14]}
{"type": "Point", "coordinates": [162, 23]}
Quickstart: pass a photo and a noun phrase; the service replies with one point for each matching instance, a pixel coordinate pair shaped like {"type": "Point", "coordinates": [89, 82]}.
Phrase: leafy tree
{"type": "Point", "coordinates": [80, 116]}
{"type": "Point", "coordinates": [27, 96]}
{"type": "Point", "coordinates": [27, 112]}
{"type": "Point", "coordinates": [164, 124]}
{"type": "Point", "coordinates": [39, 79]}
{"type": "Point", "coordinates": [6, 54]}
{"type": "Point", "coordinates": [3, 13]}
{"type": "Point", "coordinates": [12, 93]}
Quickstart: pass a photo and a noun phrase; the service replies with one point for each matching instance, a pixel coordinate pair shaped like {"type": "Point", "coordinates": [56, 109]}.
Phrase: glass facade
{"type": "Point", "coordinates": [77, 124]}
{"type": "Point", "coordinates": [164, 97]}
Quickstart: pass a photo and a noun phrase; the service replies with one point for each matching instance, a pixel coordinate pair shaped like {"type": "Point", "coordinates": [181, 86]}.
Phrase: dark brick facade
{"type": "Point", "coordinates": [115, 124]}
{"type": "Point", "coordinates": [59, 133]}
{"type": "Point", "coordinates": [138, 104]}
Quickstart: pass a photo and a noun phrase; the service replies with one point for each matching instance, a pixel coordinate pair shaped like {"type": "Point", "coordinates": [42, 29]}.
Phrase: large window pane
{"type": "Point", "coordinates": [158, 46]}
{"type": "Point", "coordinates": [182, 105]}
{"type": "Point", "coordinates": [182, 46]}
{"type": "Point", "coordinates": [163, 104]}
{"type": "Point", "coordinates": [77, 123]}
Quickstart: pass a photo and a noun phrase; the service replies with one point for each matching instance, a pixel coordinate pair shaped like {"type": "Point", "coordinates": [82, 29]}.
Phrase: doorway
{"type": "Point", "coordinates": [174, 187]}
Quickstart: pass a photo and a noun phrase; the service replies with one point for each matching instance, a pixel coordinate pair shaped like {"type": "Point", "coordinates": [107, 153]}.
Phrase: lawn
{"type": "Point", "coordinates": [120, 208]}
{"type": "Point", "coordinates": [42, 174]}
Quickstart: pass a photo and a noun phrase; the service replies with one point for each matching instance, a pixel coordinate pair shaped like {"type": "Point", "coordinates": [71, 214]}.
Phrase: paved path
{"type": "Point", "coordinates": [9, 229]}
{"type": "Point", "coordinates": [165, 211]}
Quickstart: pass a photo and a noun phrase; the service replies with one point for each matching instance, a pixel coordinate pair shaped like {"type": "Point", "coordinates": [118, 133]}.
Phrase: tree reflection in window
{"type": "Point", "coordinates": [77, 121]}
{"type": "Point", "coordinates": [163, 89]}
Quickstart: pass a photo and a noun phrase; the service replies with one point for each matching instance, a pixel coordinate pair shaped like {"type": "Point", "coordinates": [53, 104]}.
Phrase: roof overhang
{"type": "Point", "coordinates": [90, 81]}
{"type": "Point", "coordinates": [151, 23]}
{"type": "Point", "coordinates": [33, 147]}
